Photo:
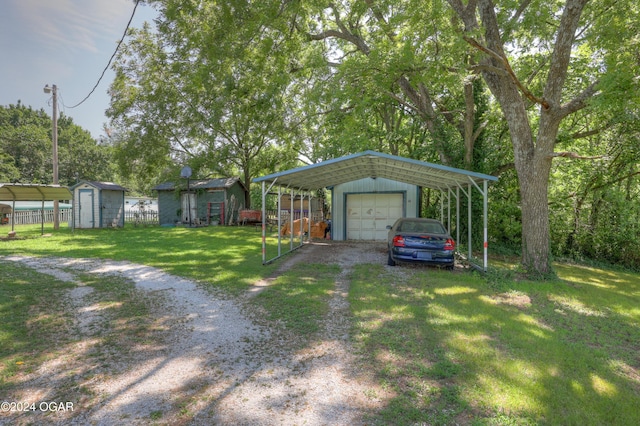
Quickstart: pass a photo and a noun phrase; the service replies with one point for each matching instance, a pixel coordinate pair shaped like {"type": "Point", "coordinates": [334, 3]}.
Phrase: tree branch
{"type": "Point", "coordinates": [378, 15]}
{"type": "Point", "coordinates": [604, 185]}
{"type": "Point", "coordinates": [342, 34]}
{"type": "Point", "coordinates": [579, 101]}
{"type": "Point", "coordinates": [507, 67]}
{"type": "Point", "coordinates": [521, 8]}
{"type": "Point", "coordinates": [486, 67]}
{"type": "Point", "coordinates": [561, 56]}
{"type": "Point", "coordinates": [576, 156]}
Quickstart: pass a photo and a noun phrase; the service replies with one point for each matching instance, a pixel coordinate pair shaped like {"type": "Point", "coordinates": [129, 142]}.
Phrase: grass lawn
{"type": "Point", "coordinates": [458, 349]}
{"type": "Point", "coordinates": [453, 348]}
{"type": "Point", "coordinates": [227, 257]}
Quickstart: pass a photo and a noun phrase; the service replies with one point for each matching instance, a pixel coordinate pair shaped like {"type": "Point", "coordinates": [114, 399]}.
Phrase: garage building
{"type": "Point", "coordinates": [370, 190]}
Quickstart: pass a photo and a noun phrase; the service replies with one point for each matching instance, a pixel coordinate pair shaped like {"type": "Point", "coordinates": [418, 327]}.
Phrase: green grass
{"type": "Point", "coordinates": [455, 350]}
{"type": "Point", "coordinates": [227, 257]}
{"type": "Point", "coordinates": [452, 348]}
{"type": "Point", "coordinates": [36, 325]}
{"type": "Point", "coordinates": [30, 317]}
{"type": "Point", "coordinates": [299, 298]}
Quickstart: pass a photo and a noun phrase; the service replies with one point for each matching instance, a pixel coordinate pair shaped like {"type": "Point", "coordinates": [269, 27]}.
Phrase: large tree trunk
{"type": "Point", "coordinates": [532, 156]}
{"type": "Point", "coordinates": [533, 164]}
{"type": "Point", "coordinates": [534, 182]}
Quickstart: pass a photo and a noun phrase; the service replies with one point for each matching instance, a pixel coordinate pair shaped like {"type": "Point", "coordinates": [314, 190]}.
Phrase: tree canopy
{"type": "Point", "coordinates": [543, 94]}
{"type": "Point", "coordinates": [26, 149]}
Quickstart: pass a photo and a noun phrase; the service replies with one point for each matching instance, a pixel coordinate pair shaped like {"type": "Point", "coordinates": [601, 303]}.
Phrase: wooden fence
{"type": "Point", "coordinates": [142, 218]}
{"type": "Point", "coordinates": [34, 217]}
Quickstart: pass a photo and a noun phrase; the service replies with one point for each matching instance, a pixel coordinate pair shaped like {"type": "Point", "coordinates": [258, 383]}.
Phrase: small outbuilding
{"type": "Point", "coordinates": [201, 201]}
{"type": "Point", "coordinates": [98, 205]}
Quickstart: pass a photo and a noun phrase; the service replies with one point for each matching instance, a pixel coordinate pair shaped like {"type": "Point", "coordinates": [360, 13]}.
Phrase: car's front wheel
{"type": "Point", "coordinates": [390, 260]}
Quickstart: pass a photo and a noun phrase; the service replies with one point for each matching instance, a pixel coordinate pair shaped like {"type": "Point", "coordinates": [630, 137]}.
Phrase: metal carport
{"type": "Point", "coordinates": [32, 192]}
{"type": "Point", "coordinates": [372, 164]}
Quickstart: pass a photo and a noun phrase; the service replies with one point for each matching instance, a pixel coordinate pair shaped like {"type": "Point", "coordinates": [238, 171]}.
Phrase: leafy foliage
{"type": "Point", "coordinates": [243, 88]}
{"type": "Point", "coordinates": [26, 149]}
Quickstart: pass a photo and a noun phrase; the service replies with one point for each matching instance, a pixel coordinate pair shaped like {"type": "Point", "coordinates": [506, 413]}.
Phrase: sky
{"type": "Point", "coordinates": [67, 43]}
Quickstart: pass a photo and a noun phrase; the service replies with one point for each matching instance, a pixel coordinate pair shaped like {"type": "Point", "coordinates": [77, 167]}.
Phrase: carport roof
{"type": "Point", "coordinates": [372, 164]}
{"type": "Point", "coordinates": [33, 192]}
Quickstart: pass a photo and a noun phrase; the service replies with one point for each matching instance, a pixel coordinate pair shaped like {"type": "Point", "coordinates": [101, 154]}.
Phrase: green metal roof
{"type": "Point", "coordinates": [372, 164]}
{"type": "Point", "coordinates": [33, 192]}
{"type": "Point", "coordinates": [217, 183]}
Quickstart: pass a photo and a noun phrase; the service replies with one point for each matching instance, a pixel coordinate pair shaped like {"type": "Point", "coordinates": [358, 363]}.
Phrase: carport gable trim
{"type": "Point", "coordinates": [374, 164]}
{"type": "Point", "coordinates": [33, 192]}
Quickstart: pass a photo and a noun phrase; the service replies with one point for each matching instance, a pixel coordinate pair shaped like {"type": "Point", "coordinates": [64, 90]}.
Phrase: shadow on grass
{"type": "Point", "coordinates": [227, 257]}
{"type": "Point", "coordinates": [453, 348]}
{"type": "Point", "coordinates": [454, 351]}
{"type": "Point", "coordinates": [132, 355]}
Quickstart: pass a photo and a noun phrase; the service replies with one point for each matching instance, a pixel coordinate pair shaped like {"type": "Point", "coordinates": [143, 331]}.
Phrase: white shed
{"type": "Point", "coordinates": [98, 205]}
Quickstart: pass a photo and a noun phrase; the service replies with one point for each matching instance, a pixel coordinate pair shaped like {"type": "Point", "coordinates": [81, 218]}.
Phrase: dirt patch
{"type": "Point", "coordinates": [514, 298]}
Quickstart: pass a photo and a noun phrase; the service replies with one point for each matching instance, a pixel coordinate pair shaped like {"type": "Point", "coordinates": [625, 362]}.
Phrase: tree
{"type": "Point", "coordinates": [207, 88]}
{"type": "Point", "coordinates": [26, 149]}
{"type": "Point", "coordinates": [235, 86]}
{"type": "Point", "coordinates": [402, 51]}
{"type": "Point", "coordinates": [560, 40]}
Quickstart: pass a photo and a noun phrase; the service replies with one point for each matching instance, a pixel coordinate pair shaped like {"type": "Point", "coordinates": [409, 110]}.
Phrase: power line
{"type": "Point", "coordinates": [110, 59]}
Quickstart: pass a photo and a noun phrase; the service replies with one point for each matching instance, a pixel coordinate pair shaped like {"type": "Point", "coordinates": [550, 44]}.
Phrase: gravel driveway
{"type": "Point", "coordinates": [217, 362]}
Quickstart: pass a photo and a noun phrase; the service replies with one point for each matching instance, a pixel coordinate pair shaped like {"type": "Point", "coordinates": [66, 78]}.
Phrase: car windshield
{"type": "Point", "coordinates": [421, 227]}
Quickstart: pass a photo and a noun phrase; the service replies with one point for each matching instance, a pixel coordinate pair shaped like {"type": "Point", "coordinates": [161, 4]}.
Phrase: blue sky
{"type": "Point", "coordinates": [67, 43]}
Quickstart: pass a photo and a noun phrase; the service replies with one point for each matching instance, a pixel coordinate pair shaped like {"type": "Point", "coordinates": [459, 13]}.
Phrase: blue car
{"type": "Point", "coordinates": [420, 240]}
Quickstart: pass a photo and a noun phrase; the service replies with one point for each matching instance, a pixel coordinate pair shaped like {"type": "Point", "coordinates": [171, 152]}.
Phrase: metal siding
{"type": "Point", "coordinates": [112, 208]}
{"type": "Point", "coordinates": [168, 206]}
{"type": "Point", "coordinates": [94, 206]}
{"type": "Point", "coordinates": [168, 203]}
{"type": "Point", "coordinates": [238, 192]}
{"type": "Point", "coordinates": [189, 206]}
{"type": "Point", "coordinates": [371, 164]}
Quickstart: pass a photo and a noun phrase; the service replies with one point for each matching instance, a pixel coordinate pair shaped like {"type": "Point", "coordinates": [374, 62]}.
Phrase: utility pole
{"type": "Point", "coordinates": [54, 138]}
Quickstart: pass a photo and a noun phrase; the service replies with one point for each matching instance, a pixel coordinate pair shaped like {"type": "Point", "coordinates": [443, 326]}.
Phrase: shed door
{"type": "Point", "coordinates": [369, 214]}
{"type": "Point", "coordinates": [189, 207]}
{"type": "Point", "coordinates": [85, 208]}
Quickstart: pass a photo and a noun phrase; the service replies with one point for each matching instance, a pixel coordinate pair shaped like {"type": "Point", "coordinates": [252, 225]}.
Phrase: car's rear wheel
{"type": "Point", "coordinates": [390, 260]}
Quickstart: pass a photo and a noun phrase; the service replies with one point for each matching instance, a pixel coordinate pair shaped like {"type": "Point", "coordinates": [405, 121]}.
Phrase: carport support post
{"type": "Point", "coordinates": [449, 209]}
{"type": "Point", "coordinates": [309, 215]}
{"type": "Point", "coordinates": [457, 216]}
{"type": "Point", "coordinates": [466, 192]}
{"type": "Point", "coordinates": [279, 220]}
{"type": "Point", "coordinates": [42, 211]}
{"type": "Point", "coordinates": [265, 191]}
{"type": "Point", "coordinates": [469, 219]}
{"type": "Point", "coordinates": [42, 218]}
{"type": "Point", "coordinates": [264, 219]}
{"type": "Point", "coordinates": [485, 208]}
{"type": "Point", "coordinates": [485, 244]}
{"type": "Point", "coordinates": [13, 215]}
{"type": "Point", "coordinates": [291, 213]}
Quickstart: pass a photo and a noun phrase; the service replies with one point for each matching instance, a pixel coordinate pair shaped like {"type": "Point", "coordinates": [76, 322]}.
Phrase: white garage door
{"type": "Point", "coordinates": [369, 214]}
